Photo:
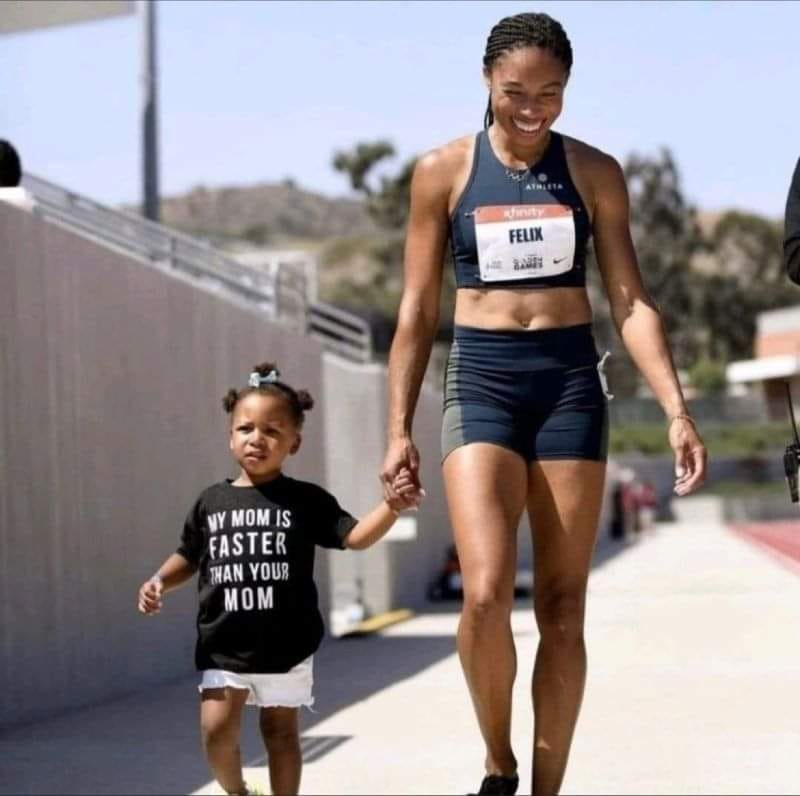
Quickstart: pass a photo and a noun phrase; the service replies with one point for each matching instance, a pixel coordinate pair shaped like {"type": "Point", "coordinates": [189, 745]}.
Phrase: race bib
{"type": "Point", "coordinates": [524, 241]}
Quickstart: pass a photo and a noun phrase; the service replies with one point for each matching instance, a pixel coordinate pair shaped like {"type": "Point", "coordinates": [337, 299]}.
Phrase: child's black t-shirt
{"type": "Point", "coordinates": [254, 550]}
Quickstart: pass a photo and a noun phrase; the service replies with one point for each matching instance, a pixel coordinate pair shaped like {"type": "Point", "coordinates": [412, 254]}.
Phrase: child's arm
{"type": "Point", "coordinates": [175, 571]}
{"type": "Point", "coordinates": [370, 528]}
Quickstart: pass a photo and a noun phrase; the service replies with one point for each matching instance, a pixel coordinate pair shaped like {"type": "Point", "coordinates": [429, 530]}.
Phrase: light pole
{"type": "Point", "coordinates": [150, 200]}
{"type": "Point", "coordinates": [18, 16]}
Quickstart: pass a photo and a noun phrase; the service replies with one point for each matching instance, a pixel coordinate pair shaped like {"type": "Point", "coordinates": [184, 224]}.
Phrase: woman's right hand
{"type": "Point", "coordinates": [401, 454]}
{"type": "Point", "coordinates": [151, 596]}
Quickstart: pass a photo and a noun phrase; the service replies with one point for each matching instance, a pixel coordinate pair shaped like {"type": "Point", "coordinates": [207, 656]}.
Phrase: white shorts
{"type": "Point", "coordinates": [289, 690]}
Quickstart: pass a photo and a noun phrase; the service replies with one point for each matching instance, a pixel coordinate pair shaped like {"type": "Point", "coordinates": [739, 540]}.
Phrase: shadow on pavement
{"type": "Point", "coordinates": [149, 743]}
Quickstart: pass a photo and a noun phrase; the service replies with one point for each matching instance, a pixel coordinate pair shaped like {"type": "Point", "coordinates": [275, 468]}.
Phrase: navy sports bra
{"type": "Point", "coordinates": [520, 229]}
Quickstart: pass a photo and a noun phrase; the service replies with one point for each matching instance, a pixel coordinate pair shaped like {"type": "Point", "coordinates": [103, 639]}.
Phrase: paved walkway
{"type": "Point", "coordinates": [694, 687]}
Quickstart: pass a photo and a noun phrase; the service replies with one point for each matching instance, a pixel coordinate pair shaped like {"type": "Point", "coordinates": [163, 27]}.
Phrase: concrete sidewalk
{"type": "Point", "coordinates": [693, 688]}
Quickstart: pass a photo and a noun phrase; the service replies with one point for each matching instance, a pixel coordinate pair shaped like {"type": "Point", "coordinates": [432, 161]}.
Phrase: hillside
{"type": "Point", "coordinates": [276, 214]}
{"type": "Point", "coordinates": [265, 214]}
{"type": "Point", "coordinates": [359, 262]}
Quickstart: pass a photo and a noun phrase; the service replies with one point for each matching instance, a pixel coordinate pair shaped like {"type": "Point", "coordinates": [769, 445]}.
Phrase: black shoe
{"type": "Point", "coordinates": [498, 785]}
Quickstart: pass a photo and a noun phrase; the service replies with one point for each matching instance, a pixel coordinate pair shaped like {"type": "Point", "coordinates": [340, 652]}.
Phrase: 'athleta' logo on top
{"type": "Point", "coordinates": [543, 185]}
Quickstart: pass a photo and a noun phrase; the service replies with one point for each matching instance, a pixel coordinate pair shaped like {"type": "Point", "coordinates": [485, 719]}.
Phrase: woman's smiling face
{"type": "Point", "coordinates": [527, 93]}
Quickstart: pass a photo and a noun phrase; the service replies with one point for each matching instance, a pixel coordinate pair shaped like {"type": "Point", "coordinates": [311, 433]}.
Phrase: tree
{"type": "Point", "coordinates": [377, 292]}
{"type": "Point", "coordinates": [708, 376]}
{"type": "Point", "coordinates": [747, 279]}
{"type": "Point", "coordinates": [667, 238]}
{"type": "Point", "coordinates": [748, 248]}
{"type": "Point", "coordinates": [388, 204]}
{"type": "Point", "coordinates": [710, 289]}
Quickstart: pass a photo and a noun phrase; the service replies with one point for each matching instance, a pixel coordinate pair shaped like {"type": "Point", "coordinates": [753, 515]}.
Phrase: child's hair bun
{"type": "Point", "coordinates": [304, 400]}
{"type": "Point", "coordinates": [265, 379]}
{"type": "Point", "coordinates": [229, 400]}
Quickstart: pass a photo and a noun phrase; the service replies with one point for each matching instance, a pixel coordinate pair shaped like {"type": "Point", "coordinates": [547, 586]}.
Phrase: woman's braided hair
{"type": "Point", "coordinates": [525, 30]}
{"type": "Point", "coordinates": [298, 401]}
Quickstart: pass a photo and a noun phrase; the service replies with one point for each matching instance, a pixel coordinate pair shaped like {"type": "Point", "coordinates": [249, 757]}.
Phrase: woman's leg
{"type": "Point", "coordinates": [486, 490]}
{"type": "Point", "coordinates": [279, 729]}
{"type": "Point", "coordinates": [564, 507]}
{"type": "Point", "coordinates": [220, 721]}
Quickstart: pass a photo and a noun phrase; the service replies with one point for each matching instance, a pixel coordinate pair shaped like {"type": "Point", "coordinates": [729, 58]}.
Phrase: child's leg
{"type": "Point", "coordinates": [220, 720]}
{"type": "Point", "coordinates": [279, 729]}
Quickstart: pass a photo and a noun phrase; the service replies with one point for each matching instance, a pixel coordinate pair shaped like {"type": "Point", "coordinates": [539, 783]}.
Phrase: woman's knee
{"type": "Point", "coordinates": [487, 600]}
{"type": "Point", "coordinates": [560, 612]}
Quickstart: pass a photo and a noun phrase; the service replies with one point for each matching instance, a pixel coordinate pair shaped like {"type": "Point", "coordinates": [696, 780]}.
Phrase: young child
{"type": "Point", "coordinates": [252, 540]}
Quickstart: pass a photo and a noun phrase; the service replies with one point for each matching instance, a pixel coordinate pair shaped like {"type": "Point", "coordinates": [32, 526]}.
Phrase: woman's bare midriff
{"type": "Point", "coordinates": [526, 309]}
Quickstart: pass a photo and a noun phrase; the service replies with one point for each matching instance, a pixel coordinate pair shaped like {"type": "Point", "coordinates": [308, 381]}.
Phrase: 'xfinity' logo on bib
{"type": "Point", "coordinates": [514, 213]}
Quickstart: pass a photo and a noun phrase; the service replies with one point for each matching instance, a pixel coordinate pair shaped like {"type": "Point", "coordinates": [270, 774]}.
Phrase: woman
{"type": "Point", "coordinates": [525, 422]}
{"type": "Point", "coordinates": [791, 243]}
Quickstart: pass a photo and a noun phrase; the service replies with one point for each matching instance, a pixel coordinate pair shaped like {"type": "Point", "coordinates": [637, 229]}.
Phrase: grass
{"type": "Point", "coordinates": [733, 439]}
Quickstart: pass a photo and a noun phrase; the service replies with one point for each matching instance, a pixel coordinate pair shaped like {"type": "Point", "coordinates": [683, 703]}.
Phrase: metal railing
{"type": "Point", "coordinates": [340, 332]}
{"type": "Point", "coordinates": [282, 295]}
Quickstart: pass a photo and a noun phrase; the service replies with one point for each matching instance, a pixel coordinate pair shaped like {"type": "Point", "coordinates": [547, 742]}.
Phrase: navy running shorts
{"type": "Point", "coordinates": [539, 393]}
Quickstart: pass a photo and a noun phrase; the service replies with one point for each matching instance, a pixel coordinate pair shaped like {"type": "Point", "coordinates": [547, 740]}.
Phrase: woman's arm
{"type": "Point", "coordinates": [638, 320]}
{"type": "Point", "coordinates": [418, 316]}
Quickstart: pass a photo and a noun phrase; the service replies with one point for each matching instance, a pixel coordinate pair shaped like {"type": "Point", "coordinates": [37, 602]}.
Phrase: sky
{"type": "Point", "coordinates": [260, 91]}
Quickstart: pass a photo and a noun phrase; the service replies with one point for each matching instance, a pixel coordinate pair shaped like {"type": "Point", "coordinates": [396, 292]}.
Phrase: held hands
{"type": "Point", "coordinates": [151, 596]}
{"type": "Point", "coordinates": [409, 494]}
{"type": "Point", "coordinates": [400, 475]}
{"type": "Point", "coordinates": [690, 455]}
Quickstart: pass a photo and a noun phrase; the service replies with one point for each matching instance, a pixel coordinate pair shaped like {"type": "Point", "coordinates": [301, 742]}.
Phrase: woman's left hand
{"type": "Point", "coordinates": [409, 494]}
{"type": "Point", "coordinates": [690, 456]}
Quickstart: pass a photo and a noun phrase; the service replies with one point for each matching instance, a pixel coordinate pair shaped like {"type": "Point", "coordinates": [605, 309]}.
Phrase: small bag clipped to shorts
{"type": "Point", "coordinates": [601, 372]}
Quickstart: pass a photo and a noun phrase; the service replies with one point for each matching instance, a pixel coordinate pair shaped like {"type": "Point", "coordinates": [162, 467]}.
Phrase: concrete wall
{"type": "Point", "coordinates": [111, 376]}
{"type": "Point", "coordinates": [393, 573]}
{"type": "Point", "coordinates": [352, 403]}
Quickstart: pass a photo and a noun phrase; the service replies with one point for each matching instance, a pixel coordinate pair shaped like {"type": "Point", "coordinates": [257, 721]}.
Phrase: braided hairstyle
{"type": "Point", "coordinates": [525, 30]}
{"type": "Point", "coordinates": [298, 401]}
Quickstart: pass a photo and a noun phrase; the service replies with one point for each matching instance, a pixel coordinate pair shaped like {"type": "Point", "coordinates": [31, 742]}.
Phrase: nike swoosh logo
{"type": "Point", "coordinates": [556, 262]}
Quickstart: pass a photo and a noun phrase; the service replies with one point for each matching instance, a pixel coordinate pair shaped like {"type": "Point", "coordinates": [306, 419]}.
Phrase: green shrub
{"type": "Point", "coordinates": [708, 376]}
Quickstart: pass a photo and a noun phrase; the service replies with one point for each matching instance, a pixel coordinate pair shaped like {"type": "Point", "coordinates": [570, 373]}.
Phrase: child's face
{"type": "Point", "coordinates": [263, 434]}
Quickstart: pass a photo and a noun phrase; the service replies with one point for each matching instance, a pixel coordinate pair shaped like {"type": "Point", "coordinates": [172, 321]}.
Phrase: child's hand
{"type": "Point", "coordinates": [151, 596]}
{"type": "Point", "coordinates": [409, 494]}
